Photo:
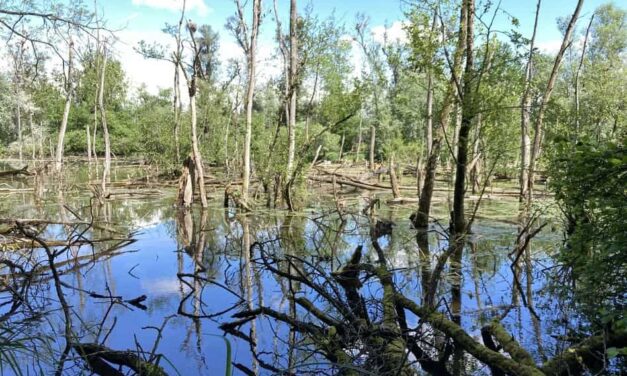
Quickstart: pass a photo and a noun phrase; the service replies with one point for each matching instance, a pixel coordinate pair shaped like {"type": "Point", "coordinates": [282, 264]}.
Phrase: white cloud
{"type": "Point", "coordinates": [395, 33]}
{"type": "Point", "coordinates": [175, 5]}
{"type": "Point", "coordinates": [154, 74]}
{"type": "Point", "coordinates": [550, 46]}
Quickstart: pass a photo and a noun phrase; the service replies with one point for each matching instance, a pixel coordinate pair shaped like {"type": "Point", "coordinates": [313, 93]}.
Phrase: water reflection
{"type": "Point", "coordinates": [321, 292]}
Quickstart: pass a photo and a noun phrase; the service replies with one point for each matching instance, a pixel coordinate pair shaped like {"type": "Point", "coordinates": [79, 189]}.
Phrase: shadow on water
{"type": "Point", "coordinates": [138, 286]}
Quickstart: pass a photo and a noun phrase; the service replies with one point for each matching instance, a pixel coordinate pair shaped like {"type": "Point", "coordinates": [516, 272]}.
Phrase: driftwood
{"type": "Point", "coordinates": [21, 171]}
{"type": "Point", "coordinates": [350, 183]}
{"type": "Point", "coordinates": [98, 358]}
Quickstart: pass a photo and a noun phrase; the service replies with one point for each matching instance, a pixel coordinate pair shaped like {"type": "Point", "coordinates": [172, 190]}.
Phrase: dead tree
{"type": "Point", "coordinates": [525, 114]}
{"type": "Point", "coordinates": [248, 42]}
{"type": "Point", "coordinates": [106, 174]}
{"type": "Point", "coordinates": [539, 123]}
{"type": "Point", "coordinates": [69, 89]}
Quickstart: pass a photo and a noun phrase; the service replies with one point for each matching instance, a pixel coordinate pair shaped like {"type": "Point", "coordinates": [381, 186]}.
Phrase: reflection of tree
{"type": "Point", "coordinates": [358, 321]}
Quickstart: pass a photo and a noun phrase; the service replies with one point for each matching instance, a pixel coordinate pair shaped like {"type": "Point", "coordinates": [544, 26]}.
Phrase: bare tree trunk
{"type": "Point", "coordinates": [41, 141]}
{"type": "Point", "coordinates": [93, 143]}
{"type": "Point", "coordinates": [359, 135]}
{"type": "Point", "coordinates": [396, 192]}
{"type": "Point", "coordinates": [186, 184]}
{"type": "Point", "coordinates": [421, 219]}
{"type": "Point", "coordinates": [250, 92]}
{"type": "Point", "coordinates": [468, 114]}
{"type": "Point", "coordinates": [176, 106]}
{"type": "Point", "coordinates": [291, 128]}
{"type": "Point", "coordinates": [18, 118]}
{"type": "Point", "coordinates": [583, 55]}
{"type": "Point", "coordinates": [373, 135]}
{"type": "Point", "coordinates": [474, 167]}
{"type": "Point", "coordinates": [66, 111]}
{"type": "Point", "coordinates": [106, 178]}
{"type": "Point", "coordinates": [88, 137]}
{"type": "Point", "coordinates": [429, 133]}
{"type": "Point", "coordinates": [420, 176]}
{"type": "Point", "coordinates": [32, 133]}
{"type": "Point", "coordinates": [475, 164]}
{"type": "Point", "coordinates": [539, 125]}
{"type": "Point", "coordinates": [342, 147]}
{"type": "Point", "coordinates": [525, 115]}
{"type": "Point", "coordinates": [200, 178]}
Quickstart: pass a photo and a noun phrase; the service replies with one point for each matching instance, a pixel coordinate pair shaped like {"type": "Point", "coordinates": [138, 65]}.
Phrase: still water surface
{"type": "Point", "coordinates": [196, 270]}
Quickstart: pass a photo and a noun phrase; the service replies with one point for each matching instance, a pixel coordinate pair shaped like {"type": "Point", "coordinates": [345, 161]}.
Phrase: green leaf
{"type": "Point", "coordinates": [612, 352]}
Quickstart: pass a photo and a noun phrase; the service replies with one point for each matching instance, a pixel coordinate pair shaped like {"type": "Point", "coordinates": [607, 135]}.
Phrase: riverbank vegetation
{"type": "Point", "coordinates": [433, 124]}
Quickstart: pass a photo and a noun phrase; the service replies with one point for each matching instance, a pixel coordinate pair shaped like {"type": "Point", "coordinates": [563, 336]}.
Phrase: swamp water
{"type": "Point", "coordinates": [196, 269]}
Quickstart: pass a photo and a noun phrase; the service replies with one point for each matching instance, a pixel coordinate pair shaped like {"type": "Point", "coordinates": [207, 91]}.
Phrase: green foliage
{"type": "Point", "coordinates": [589, 183]}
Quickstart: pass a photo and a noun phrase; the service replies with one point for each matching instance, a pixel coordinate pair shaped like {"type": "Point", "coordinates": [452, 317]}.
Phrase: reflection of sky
{"type": "Point", "coordinates": [152, 269]}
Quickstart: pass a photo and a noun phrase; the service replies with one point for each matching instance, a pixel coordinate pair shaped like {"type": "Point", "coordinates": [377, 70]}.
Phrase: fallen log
{"type": "Point", "coordinates": [366, 186]}
{"type": "Point", "coordinates": [21, 171]}
{"type": "Point", "coordinates": [127, 358]}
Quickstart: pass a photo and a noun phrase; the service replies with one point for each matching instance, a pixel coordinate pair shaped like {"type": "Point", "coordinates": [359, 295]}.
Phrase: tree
{"type": "Point", "coordinates": [525, 114]}
{"type": "Point", "coordinates": [248, 43]}
{"type": "Point", "coordinates": [293, 85]}
{"type": "Point", "coordinates": [421, 219]}
{"type": "Point", "coordinates": [69, 90]}
{"type": "Point", "coordinates": [539, 123]}
{"type": "Point", "coordinates": [106, 178]}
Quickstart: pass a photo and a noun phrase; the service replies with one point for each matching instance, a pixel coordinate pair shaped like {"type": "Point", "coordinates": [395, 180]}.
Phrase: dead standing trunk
{"type": "Point", "coordinates": [578, 74]}
{"type": "Point", "coordinates": [176, 102]}
{"type": "Point", "coordinates": [66, 110]}
{"type": "Point", "coordinates": [199, 179]}
{"type": "Point", "coordinates": [539, 125]}
{"type": "Point", "coordinates": [291, 127]}
{"type": "Point", "coordinates": [106, 174]}
{"type": "Point", "coordinates": [18, 117]}
{"type": "Point", "coordinates": [373, 135]}
{"type": "Point", "coordinates": [525, 115]}
{"type": "Point", "coordinates": [396, 192]}
{"type": "Point", "coordinates": [250, 49]}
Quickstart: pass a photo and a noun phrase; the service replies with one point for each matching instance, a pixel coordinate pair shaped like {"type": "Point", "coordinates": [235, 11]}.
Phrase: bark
{"type": "Point", "coordinates": [176, 102]}
{"type": "Point", "coordinates": [579, 67]}
{"type": "Point", "coordinates": [394, 182]}
{"type": "Point", "coordinates": [475, 165]}
{"type": "Point", "coordinates": [421, 219]}
{"type": "Point", "coordinates": [66, 111]}
{"type": "Point", "coordinates": [342, 147]}
{"type": "Point", "coordinates": [250, 92]}
{"type": "Point", "coordinates": [359, 134]}
{"type": "Point", "coordinates": [373, 135]}
{"type": "Point", "coordinates": [200, 178]}
{"type": "Point", "coordinates": [525, 114]}
{"type": "Point", "coordinates": [468, 114]}
{"type": "Point", "coordinates": [186, 186]}
{"type": "Point", "coordinates": [93, 142]}
{"type": "Point", "coordinates": [18, 116]}
{"type": "Point", "coordinates": [429, 135]}
{"type": "Point", "coordinates": [32, 133]}
{"type": "Point", "coordinates": [88, 137]}
{"type": "Point", "coordinates": [539, 124]}
{"type": "Point", "coordinates": [291, 128]}
{"type": "Point", "coordinates": [176, 106]}
{"type": "Point", "coordinates": [106, 178]}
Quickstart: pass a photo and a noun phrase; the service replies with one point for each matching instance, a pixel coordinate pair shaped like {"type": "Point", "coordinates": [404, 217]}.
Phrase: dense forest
{"type": "Point", "coordinates": [433, 126]}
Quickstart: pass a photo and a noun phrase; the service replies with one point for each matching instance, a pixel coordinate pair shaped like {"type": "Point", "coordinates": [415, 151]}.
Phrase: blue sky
{"type": "Point", "coordinates": [144, 19]}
